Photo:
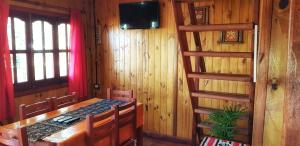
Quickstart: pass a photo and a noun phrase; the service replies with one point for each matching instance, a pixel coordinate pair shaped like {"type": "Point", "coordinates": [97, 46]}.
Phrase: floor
{"type": "Point", "coordinates": [155, 142]}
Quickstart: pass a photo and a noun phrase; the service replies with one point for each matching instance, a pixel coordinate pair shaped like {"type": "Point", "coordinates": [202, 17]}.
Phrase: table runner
{"type": "Point", "coordinates": [43, 129]}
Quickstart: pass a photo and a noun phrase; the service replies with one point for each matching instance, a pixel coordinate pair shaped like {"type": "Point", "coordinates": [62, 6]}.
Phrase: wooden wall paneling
{"type": "Point", "coordinates": [217, 61]}
{"type": "Point", "coordinates": [292, 104]}
{"type": "Point", "coordinates": [164, 67]}
{"type": "Point", "coordinates": [226, 17]}
{"type": "Point", "coordinates": [165, 82]}
{"type": "Point", "coordinates": [151, 90]}
{"type": "Point", "coordinates": [273, 129]}
{"type": "Point", "coordinates": [145, 70]}
{"type": "Point", "coordinates": [171, 72]}
{"type": "Point", "coordinates": [265, 25]}
{"type": "Point", "coordinates": [157, 69]}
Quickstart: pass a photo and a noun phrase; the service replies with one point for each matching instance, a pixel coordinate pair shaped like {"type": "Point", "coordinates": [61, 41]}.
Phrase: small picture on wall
{"type": "Point", "coordinates": [202, 15]}
{"type": "Point", "coordinates": [231, 36]}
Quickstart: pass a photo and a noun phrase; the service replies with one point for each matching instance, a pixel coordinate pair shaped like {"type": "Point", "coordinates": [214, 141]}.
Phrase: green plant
{"type": "Point", "coordinates": [224, 122]}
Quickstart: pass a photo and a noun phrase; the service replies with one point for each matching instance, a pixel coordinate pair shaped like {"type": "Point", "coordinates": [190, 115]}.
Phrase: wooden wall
{"type": "Point", "coordinates": [148, 62]}
{"type": "Point", "coordinates": [273, 129]}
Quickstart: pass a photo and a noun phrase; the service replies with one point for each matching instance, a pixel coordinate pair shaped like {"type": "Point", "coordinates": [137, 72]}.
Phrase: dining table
{"type": "Point", "coordinates": [75, 135]}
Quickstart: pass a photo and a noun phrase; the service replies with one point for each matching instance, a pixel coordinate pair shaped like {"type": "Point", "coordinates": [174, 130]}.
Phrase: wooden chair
{"type": "Point", "coordinates": [97, 131]}
{"type": "Point", "coordinates": [127, 117]}
{"type": "Point", "coordinates": [28, 111]}
{"type": "Point", "coordinates": [119, 94]}
{"type": "Point", "coordinates": [19, 137]}
{"type": "Point", "coordinates": [64, 101]}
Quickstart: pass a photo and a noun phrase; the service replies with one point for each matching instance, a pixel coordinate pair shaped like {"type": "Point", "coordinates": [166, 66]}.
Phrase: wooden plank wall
{"type": "Point", "coordinates": [273, 122]}
{"type": "Point", "coordinates": [148, 62]}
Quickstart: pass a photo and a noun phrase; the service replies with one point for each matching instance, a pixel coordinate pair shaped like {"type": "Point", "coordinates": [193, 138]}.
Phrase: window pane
{"type": "Point", "coordinates": [21, 63]}
{"type": "Point", "coordinates": [62, 37]}
{"type": "Point", "coordinates": [38, 66]}
{"type": "Point", "coordinates": [9, 33]}
{"type": "Point", "coordinates": [63, 64]}
{"type": "Point", "coordinates": [68, 35]}
{"type": "Point", "coordinates": [48, 36]}
{"type": "Point", "coordinates": [12, 67]}
{"type": "Point", "coordinates": [20, 39]}
{"type": "Point", "coordinates": [37, 35]}
{"type": "Point", "coordinates": [49, 66]}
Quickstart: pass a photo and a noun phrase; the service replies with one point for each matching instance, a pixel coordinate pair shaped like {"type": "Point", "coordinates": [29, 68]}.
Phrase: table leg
{"type": "Point", "coordinates": [140, 136]}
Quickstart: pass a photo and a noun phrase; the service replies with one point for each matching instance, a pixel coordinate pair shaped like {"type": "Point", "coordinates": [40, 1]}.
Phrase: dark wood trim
{"type": "Point", "coordinates": [167, 138]}
{"type": "Point", "coordinates": [39, 90]}
{"type": "Point", "coordinates": [265, 26]}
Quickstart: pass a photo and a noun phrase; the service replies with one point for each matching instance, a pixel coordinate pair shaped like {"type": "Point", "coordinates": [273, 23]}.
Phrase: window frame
{"type": "Point", "coordinates": [34, 86]}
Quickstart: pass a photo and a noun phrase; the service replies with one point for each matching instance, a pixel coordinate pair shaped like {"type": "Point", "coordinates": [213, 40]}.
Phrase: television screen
{"type": "Point", "coordinates": [141, 15]}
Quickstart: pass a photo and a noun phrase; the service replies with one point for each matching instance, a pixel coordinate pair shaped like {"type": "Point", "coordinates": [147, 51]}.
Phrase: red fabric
{"type": "Point", "coordinates": [7, 107]}
{"type": "Point", "coordinates": [77, 66]}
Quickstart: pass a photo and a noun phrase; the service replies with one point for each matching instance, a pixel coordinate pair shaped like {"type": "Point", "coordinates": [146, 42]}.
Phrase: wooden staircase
{"type": "Point", "coordinates": [193, 77]}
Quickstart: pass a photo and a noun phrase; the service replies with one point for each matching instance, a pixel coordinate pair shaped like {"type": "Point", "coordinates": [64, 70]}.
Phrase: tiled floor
{"type": "Point", "coordinates": [155, 142]}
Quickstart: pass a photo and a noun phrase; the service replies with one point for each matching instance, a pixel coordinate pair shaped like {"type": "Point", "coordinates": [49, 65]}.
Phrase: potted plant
{"type": "Point", "coordinates": [224, 124]}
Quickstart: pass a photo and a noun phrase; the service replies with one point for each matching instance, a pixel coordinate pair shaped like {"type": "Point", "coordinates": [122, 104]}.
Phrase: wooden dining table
{"type": "Point", "coordinates": [76, 135]}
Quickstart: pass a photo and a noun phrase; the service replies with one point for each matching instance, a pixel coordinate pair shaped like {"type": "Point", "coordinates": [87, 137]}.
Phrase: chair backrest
{"type": "Point", "coordinates": [64, 101]}
{"type": "Point", "coordinates": [17, 137]}
{"type": "Point", "coordinates": [119, 94]}
{"type": "Point", "coordinates": [127, 117]}
{"type": "Point", "coordinates": [102, 126]}
{"type": "Point", "coordinates": [28, 111]}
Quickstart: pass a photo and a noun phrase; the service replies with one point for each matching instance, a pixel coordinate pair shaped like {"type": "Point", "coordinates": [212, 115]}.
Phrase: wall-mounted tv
{"type": "Point", "coordinates": [141, 15]}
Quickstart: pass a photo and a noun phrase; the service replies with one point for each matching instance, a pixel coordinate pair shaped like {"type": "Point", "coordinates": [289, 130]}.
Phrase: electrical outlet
{"type": "Point", "coordinates": [96, 86]}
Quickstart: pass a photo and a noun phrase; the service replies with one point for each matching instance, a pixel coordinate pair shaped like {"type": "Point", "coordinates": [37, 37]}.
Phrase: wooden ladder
{"type": "Point", "coordinates": [193, 77]}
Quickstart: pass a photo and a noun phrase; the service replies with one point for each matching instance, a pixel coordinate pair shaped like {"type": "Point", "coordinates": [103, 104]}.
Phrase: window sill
{"type": "Point", "coordinates": [20, 93]}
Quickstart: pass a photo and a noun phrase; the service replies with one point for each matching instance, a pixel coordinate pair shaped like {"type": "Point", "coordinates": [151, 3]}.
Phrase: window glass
{"type": "Point", "coordinates": [48, 36]}
{"type": "Point", "coordinates": [63, 64]}
{"type": "Point", "coordinates": [49, 65]}
{"type": "Point", "coordinates": [62, 44]}
{"type": "Point", "coordinates": [37, 35]}
{"type": "Point", "coordinates": [20, 39]}
{"type": "Point", "coordinates": [21, 64]}
{"type": "Point", "coordinates": [38, 66]}
{"type": "Point", "coordinates": [68, 35]}
{"type": "Point", "coordinates": [9, 33]}
{"type": "Point", "coordinates": [12, 67]}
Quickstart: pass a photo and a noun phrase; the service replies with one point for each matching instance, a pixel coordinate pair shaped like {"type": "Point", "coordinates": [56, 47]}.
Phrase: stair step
{"type": "Point", "coordinates": [207, 111]}
{"type": "Point", "coordinates": [220, 76]}
{"type": "Point", "coordinates": [219, 54]}
{"type": "Point", "coordinates": [216, 27]}
{"type": "Point", "coordinates": [222, 96]}
{"type": "Point", "coordinates": [206, 125]}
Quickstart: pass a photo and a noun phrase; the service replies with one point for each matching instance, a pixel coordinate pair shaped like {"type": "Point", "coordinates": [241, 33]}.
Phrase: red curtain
{"type": "Point", "coordinates": [7, 107]}
{"type": "Point", "coordinates": [77, 68]}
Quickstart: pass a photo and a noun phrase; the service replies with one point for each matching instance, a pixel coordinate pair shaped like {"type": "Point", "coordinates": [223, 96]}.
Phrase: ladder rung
{"type": "Point", "coordinates": [207, 111]}
{"type": "Point", "coordinates": [222, 96]}
{"type": "Point", "coordinates": [216, 27]}
{"type": "Point", "coordinates": [206, 125]}
{"type": "Point", "coordinates": [220, 76]}
{"type": "Point", "coordinates": [219, 54]}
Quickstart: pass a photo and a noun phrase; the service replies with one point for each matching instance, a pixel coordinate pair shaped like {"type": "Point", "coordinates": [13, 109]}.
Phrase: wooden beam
{"type": "Point", "coordinates": [292, 102]}
{"type": "Point", "coordinates": [265, 25]}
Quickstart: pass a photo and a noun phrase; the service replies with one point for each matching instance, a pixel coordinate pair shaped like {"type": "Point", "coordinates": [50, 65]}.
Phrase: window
{"type": "Point", "coordinates": [39, 50]}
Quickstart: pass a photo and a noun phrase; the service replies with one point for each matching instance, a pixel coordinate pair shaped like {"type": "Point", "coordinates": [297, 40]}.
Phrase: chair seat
{"type": "Point", "coordinates": [211, 141]}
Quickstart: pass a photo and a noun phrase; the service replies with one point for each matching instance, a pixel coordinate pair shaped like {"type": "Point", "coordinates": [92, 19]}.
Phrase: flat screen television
{"type": "Point", "coordinates": [140, 15]}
